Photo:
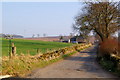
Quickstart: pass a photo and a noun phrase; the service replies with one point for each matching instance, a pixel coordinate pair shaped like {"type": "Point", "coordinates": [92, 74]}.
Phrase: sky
{"type": "Point", "coordinates": [28, 18]}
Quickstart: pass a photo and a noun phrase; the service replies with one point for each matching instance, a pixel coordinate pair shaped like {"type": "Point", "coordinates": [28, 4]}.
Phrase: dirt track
{"type": "Point", "coordinates": [80, 65]}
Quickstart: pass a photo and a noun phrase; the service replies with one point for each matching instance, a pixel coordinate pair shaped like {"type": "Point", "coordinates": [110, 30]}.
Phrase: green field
{"type": "Point", "coordinates": [31, 46]}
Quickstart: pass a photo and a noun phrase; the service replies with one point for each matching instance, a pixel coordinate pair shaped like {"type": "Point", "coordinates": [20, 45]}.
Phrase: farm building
{"type": "Point", "coordinates": [66, 39]}
{"type": "Point", "coordinates": [76, 39]}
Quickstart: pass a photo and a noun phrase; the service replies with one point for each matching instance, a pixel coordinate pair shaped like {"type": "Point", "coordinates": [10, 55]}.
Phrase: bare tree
{"type": "Point", "coordinates": [44, 35]}
{"type": "Point", "coordinates": [99, 17]}
{"type": "Point", "coordinates": [71, 35]}
{"type": "Point", "coordinates": [61, 38]}
{"type": "Point", "coordinates": [38, 35]}
{"type": "Point", "coordinates": [33, 36]}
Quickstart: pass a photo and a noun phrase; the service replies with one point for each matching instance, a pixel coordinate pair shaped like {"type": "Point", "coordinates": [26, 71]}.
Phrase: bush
{"type": "Point", "coordinates": [105, 51]}
{"type": "Point", "coordinates": [108, 47]}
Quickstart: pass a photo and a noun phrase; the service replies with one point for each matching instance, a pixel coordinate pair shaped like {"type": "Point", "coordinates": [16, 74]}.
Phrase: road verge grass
{"type": "Point", "coordinates": [21, 67]}
{"type": "Point", "coordinates": [110, 66]}
{"type": "Point", "coordinates": [24, 64]}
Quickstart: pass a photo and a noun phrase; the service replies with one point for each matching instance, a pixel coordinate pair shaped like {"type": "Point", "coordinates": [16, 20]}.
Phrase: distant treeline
{"type": "Point", "coordinates": [13, 36]}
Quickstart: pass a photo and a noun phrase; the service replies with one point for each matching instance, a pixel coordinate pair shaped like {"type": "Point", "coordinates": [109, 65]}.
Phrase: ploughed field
{"type": "Point", "coordinates": [30, 46]}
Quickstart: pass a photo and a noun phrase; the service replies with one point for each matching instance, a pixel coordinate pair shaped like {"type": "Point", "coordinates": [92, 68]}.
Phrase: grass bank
{"type": "Point", "coordinates": [21, 65]}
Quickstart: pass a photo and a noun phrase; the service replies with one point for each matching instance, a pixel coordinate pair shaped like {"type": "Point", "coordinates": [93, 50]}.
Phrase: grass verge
{"type": "Point", "coordinates": [19, 66]}
{"type": "Point", "coordinates": [110, 66]}
{"type": "Point", "coordinates": [23, 66]}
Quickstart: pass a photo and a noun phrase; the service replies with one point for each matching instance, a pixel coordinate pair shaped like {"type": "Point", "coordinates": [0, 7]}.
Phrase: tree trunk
{"type": "Point", "coordinates": [102, 36]}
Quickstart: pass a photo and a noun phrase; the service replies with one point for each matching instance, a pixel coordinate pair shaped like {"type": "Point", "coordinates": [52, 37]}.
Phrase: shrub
{"type": "Point", "coordinates": [108, 47]}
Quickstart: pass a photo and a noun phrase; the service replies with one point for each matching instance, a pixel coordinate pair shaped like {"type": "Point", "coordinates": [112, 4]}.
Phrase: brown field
{"type": "Point", "coordinates": [45, 38]}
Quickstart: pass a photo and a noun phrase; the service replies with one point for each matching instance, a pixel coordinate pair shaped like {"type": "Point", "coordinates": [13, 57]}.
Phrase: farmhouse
{"type": "Point", "coordinates": [74, 39]}
{"type": "Point", "coordinates": [66, 39]}
{"type": "Point", "coordinates": [77, 39]}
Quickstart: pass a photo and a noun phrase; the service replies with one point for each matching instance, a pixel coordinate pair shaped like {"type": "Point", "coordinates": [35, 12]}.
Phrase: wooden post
{"type": "Point", "coordinates": [13, 50]}
{"type": "Point", "coordinates": [13, 45]}
{"type": "Point", "coordinates": [47, 50]}
{"type": "Point", "coordinates": [38, 50]}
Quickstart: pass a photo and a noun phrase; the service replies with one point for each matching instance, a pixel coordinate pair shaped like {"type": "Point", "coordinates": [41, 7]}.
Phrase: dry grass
{"type": "Point", "coordinates": [23, 64]}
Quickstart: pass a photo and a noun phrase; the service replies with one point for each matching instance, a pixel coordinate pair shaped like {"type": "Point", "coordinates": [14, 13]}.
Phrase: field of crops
{"type": "Point", "coordinates": [31, 46]}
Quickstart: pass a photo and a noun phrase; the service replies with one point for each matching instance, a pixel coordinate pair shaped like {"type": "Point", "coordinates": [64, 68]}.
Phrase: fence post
{"type": "Point", "coordinates": [38, 50]}
{"type": "Point", "coordinates": [13, 50]}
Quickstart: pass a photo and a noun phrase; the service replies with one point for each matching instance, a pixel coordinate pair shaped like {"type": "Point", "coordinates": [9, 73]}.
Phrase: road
{"type": "Point", "coordinates": [80, 65]}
